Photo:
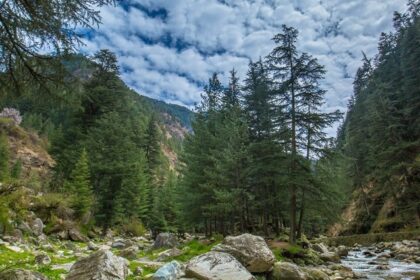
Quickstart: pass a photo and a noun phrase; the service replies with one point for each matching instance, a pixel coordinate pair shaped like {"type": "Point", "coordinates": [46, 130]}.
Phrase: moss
{"type": "Point", "coordinates": [52, 274]}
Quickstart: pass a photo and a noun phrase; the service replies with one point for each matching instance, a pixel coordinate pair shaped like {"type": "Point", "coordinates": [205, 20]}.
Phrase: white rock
{"type": "Point", "coordinates": [287, 271]}
{"type": "Point", "coordinates": [102, 265]}
{"type": "Point", "coordinates": [250, 250]}
{"type": "Point", "coordinates": [217, 266]}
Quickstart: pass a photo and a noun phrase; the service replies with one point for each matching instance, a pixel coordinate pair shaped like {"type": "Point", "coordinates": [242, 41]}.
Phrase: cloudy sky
{"type": "Point", "coordinates": [167, 49]}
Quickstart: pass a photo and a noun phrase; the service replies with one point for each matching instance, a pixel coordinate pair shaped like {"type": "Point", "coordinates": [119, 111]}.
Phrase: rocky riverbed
{"type": "Point", "coordinates": [246, 257]}
{"type": "Point", "coordinates": [386, 260]}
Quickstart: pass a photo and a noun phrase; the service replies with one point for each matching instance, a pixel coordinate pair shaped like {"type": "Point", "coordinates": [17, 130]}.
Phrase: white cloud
{"type": "Point", "coordinates": [169, 57]}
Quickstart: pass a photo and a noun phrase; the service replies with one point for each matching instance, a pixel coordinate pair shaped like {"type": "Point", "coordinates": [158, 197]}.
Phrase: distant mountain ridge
{"type": "Point", "coordinates": [178, 112]}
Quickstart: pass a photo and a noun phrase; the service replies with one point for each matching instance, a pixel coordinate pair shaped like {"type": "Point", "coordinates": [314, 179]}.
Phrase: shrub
{"type": "Point", "coordinates": [133, 227]}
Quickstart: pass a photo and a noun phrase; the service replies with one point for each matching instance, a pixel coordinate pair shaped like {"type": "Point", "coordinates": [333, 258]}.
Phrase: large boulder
{"type": "Point", "coordinates": [170, 253]}
{"type": "Point", "coordinates": [102, 265]}
{"type": "Point", "coordinates": [170, 271]}
{"type": "Point", "coordinates": [324, 253]}
{"type": "Point", "coordinates": [330, 257]}
{"type": "Point", "coordinates": [287, 271]}
{"type": "Point", "coordinates": [37, 227]}
{"type": "Point", "coordinates": [320, 248]}
{"type": "Point", "coordinates": [315, 274]}
{"type": "Point", "coordinates": [129, 253]}
{"type": "Point", "coordinates": [217, 266]}
{"type": "Point", "coordinates": [165, 240]}
{"type": "Point", "coordinates": [250, 250]}
{"type": "Point", "coordinates": [75, 235]}
{"type": "Point", "coordinates": [21, 274]}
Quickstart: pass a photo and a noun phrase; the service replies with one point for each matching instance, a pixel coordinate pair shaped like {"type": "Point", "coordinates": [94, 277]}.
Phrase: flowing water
{"type": "Point", "coordinates": [370, 266]}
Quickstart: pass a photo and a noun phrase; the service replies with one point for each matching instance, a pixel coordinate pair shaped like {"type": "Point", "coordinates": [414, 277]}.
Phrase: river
{"type": "Point", "coordinates": [374, 267]}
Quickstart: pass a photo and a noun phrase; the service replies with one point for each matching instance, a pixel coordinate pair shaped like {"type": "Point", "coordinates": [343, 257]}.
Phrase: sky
{"type": "Point", "coordinates": [167, 49]}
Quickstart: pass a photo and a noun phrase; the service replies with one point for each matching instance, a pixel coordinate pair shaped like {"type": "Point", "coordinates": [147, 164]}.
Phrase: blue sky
{"type": "Point", "coordinates": [167, 49]}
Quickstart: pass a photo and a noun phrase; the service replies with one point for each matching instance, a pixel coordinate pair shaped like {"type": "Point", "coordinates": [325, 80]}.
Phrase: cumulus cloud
{"type": "Point", "coordinates": [168, 49]}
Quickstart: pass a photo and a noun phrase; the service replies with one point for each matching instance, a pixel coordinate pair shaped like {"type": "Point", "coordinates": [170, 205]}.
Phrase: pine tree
{"type": "Point", "coordinates": [152, 146]}
{"type": "Point", "coordinates": [48, 24]}
{"type": "Point", "coordinates": [296, 78]}
{"type": "Point", "coordinates": [131, 199]}
{"type": "Point", "coordinates": [264, 152]}
{"type": "Point", "coordinates": [197, 183]}
{"type": "Point", "coordinates": [80, 186]}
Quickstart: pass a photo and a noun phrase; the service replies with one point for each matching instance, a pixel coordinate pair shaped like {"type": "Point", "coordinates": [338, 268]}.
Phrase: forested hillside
{"type": "Point", "coordinates": [380, 136]}
{"type": "Point", "coordinates": [110, 144]}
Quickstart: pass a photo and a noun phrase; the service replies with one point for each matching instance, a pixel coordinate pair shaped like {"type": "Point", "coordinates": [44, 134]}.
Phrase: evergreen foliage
{"type": "Point", "coordinates": [80, 187]}
{"type": "Point", "coordinates": [380, 134]}
{"type": "Point", "coordinates": [255, 140]}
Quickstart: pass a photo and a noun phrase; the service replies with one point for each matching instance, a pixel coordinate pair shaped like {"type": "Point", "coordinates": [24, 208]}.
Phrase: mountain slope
{"type": "Point", "coordinates": [380, 136]}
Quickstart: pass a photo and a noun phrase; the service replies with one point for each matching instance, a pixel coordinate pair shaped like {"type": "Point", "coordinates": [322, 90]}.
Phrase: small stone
{"type": "Point", "coordinates": [139, 271]}
{"type": "Point", "coordinates": [15, 249]}
{"type": "Point", "coordinates": [92, 246]}
{"type": "Point", "coordinates": [43, 259]}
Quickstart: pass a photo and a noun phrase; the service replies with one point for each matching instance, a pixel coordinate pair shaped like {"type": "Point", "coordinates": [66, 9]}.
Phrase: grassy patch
{"type": "Point", "coordinates": [146, 270]}
{"type": "Point", "coordinates": [277, 253]}
{"type": "Point", "coordinates": [10, 259]}
{"type": "Point", "coordinates": [52, 274]}
{"type": "Point", "coordinates": [194, 248]}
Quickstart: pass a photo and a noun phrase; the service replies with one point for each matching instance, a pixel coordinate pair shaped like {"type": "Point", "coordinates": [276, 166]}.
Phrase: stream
{"type": "Point", "coordinates": [377, 267]}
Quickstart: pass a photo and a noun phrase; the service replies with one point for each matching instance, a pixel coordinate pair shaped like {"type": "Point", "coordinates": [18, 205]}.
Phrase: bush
{"type": "Point", "coordinates": [133, 227]}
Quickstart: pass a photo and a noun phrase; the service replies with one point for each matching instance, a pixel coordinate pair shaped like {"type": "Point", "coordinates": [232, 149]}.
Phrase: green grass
{"type": "Point", "coordinates": [10, 259]}
{"type": "Point", "coordinates": [194, 248]}
{"type": "Point", "coordinates": [52, 274]}
{"type": "Point", "coordinates": [278, 254]}
{"type": "Point", "coordinates": [25, 260]}
{"type": "Point", "coordinates": [295, 249]}
{"type": "Point", "coordinates": [146, 270]}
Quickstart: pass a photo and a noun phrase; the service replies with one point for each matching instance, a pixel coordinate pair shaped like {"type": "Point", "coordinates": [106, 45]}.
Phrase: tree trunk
{"type": "Point", "coordinates": [302, 211]}
{"type": "Point", "coordinates": [292, 237]}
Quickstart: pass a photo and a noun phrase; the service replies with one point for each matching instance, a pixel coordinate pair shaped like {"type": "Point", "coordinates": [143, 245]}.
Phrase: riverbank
{"type": "Point", "coordinates": [194, 257]}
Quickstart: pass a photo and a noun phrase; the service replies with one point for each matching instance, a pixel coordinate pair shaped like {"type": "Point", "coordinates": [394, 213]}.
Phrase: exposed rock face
{"type": "Point", "coordinates": [287, 271]}
{"type": "Point", "coordinates": [170, 271]}
{"type": "Point", "coordinates": [165, 240]}
{"type": "Point", "coordinates": [102, 265]}
{"type": "Point", "coordinates": [250, 250]}
{"type": "Point", "coordinates": [21, 274]}
{"type": "Point", "coordinates": [13, 114]}
{"type": "Point", "coordinates": [217, 266]}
